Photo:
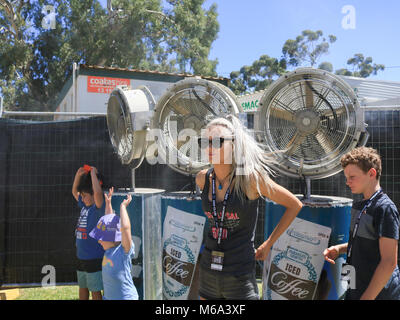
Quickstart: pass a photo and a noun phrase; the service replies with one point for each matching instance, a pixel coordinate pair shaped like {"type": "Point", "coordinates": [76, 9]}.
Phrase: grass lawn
{"type": "Point", "coordinates": [58, 293]}
{"type": "Point", "coordinates": [62, 293]}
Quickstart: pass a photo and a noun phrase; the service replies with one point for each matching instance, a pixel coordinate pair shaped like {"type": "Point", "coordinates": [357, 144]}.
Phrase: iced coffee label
{"type": "Point", "coordinates": [296, 262]}
{"type": "Point", "coordinates": [182, 237]}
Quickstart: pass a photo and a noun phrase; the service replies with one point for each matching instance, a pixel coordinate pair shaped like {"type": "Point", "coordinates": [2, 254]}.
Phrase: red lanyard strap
{"type": "Point", "coordinates": [219, 223]}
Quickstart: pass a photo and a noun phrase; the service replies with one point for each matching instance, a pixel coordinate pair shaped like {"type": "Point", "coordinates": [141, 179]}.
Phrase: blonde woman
{"type": "Point", "coordinates": [239, 176]}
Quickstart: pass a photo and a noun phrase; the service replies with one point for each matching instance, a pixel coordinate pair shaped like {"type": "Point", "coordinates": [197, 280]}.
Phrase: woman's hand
{"type": "Point", "coordinates": [263, 251]}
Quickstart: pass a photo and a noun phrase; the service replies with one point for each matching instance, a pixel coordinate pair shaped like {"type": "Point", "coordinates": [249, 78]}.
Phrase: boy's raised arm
{"type": "Point", "coordinates": [79, 173]}
{"type": "Point", "coordinates": [107, 198]}
{"type": "Point", "coordinates": [97, 191]}
{"type": "Point", "coordinates": [126, 237]}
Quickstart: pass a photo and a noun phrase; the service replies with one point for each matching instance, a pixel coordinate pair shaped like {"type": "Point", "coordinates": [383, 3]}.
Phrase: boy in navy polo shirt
{"type": "Point", "coordinates": [374, 232]}
{"type": "Point", "coordinates": [87, 191]}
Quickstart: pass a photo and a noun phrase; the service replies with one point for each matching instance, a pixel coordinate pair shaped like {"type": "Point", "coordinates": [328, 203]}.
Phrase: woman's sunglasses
{"type": "Point", "coordinates": [215, 143]}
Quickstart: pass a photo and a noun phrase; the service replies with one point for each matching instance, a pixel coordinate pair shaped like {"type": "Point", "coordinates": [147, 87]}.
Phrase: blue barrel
{"type": "Point", "coordinates": [183, 201]}
{"type": "Point", "coordinates": [143, 202]}
{"type": "Point", "coordinates": [332, 212]}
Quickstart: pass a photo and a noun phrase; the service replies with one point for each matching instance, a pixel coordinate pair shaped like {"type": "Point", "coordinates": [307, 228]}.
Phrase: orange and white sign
{"type": "Point", "coordinates": [105, 84]}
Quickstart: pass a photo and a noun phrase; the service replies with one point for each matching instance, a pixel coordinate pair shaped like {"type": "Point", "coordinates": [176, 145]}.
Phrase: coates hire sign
{"type": "Point", "coordinates": [250, 102]}
{"type": "Point", "coordinates": [105, 84]}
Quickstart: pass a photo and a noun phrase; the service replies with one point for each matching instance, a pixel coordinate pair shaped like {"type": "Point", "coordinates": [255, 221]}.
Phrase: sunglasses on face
{"type": "Point", "coordinates": [215, 143]}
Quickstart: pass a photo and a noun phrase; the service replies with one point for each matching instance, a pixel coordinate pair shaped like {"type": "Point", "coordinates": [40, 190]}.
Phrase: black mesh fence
{"type": "Point", "coordinates": [38, 161]}
{"type": "Point", "coordinates": [38, 214]}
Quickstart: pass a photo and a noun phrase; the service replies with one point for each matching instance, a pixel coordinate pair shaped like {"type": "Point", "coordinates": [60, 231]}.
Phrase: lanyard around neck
{"type": "Point", "coordinates": [219, 223]}
{"type": "Point", "coordinates": [357, 223]}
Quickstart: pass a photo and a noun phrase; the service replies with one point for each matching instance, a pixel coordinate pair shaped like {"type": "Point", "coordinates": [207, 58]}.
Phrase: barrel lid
{"type": "Point", "coordinates": [181, 195]}
{"type": "Point", "coordinates": [138, 191]}
{"type": "Point", "coordinates": [321, 201]}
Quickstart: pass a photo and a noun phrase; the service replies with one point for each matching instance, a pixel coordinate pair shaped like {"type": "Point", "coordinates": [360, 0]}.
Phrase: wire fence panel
{"type": "Point", "coordinates": [38, 161]}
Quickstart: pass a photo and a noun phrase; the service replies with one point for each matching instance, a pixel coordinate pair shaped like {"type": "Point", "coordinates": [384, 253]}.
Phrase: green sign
{"type": "Point", "coordinates": [250, 105]}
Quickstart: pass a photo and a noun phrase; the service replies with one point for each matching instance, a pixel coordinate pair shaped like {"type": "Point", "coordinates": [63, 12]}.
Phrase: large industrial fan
{"type": "Point", "coordinates": [129, 114]}
{"type": "Point", "coordinates": [308, 119]}
{"type": "Point", "coordinates": [180, 115]}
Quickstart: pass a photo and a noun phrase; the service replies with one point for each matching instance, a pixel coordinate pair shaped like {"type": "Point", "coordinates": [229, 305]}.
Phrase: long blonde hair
{"type": "Point", "coordinates": [249, 160]}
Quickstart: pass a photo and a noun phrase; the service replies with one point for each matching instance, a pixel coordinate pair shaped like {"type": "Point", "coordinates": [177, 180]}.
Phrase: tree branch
{"type": "Point", "coordinates": [10, 16]}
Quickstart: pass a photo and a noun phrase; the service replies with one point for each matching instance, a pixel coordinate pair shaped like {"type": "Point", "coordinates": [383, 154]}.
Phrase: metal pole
{"type": "Point", "coordinates": [152, 244]}
{"type": "Point", "coordinates": [1, 107]}
{"type": "Point", "coordinates": [74, 67]}
{"type": "Point", "coordinates": [51, 113]}
{"type": "Point", "coordinates": [308, 188]}
{"type": "Point", "coordinates": [133, 180]}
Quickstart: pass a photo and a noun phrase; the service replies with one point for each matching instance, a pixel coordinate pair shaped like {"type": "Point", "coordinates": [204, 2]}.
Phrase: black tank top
{"type": "Point", "coordinates": [237, 242]}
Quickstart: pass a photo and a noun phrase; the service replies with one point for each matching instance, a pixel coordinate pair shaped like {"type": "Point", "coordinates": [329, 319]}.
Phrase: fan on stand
{"type": "Point", "coordinates": [128, 120]}
{"type": "Point", "coordinates": [180, 115]}
{"type": "Point", "coordinates": [308, 119]}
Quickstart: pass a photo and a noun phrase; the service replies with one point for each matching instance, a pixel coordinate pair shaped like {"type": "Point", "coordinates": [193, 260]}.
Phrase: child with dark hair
{"type": "Point", "coordinates": [87, 192]}
{"type": "Point", "coordinates": [372, 249]}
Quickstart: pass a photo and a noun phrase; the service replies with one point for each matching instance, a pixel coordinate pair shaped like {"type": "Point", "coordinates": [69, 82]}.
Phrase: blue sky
{"type": "Point", "coordinates": [251, 28]}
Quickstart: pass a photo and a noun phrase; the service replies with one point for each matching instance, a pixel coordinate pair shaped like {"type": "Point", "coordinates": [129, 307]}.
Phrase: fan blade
{"type": "Point", "coordinates": [294, 143]}
{"type": "Point", "coordinates": [283, 114]}
{"type": "Point", "coordinates": [204, 103]}
{"type": "Point", "coordinates": [309, 95]}
{"type": "Point", "coordinates": [325, 141]}
{"type": "Point", "coordinates": [328, 112]}
{"type": "Point", "coordinates": [322, 97]}
{"type": "Point", "coordinates": [179, 105]}
{"type": "Point", "coordinates": [177, 122]}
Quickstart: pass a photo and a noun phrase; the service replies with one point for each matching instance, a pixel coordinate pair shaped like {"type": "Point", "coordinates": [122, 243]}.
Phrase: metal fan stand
{"type": "Point", "coordinates": [315, 118]}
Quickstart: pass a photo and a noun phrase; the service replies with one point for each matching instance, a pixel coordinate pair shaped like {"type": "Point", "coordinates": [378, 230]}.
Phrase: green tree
{"type": "Point", "coordinates": [194, 31]}
{"type": "Point", "coordinates": [149, 34]}
{"type": "Point", "coordinates": [307, 48]}
{"type": "Point", "coordinates": [258, 76]}
{"type": "Point", "coordinates": [360, 67]}
{"type": "Point", "coordinates": [327, 66]}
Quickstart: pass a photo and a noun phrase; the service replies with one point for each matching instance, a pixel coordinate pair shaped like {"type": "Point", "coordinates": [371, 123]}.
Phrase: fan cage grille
{"type": "Point", "coordinates": [308, 122]}
{"type": "Point", "coordinates": [182, 113]}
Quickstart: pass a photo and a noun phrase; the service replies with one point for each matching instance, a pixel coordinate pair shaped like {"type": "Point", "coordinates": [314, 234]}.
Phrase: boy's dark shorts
{"type": "Point", "coordinates": [89, 266]}
{"type": "Point", "coordinates": [89, 274]}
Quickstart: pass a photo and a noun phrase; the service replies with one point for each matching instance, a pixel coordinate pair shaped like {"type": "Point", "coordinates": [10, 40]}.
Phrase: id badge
{"type": "Point", "coordinates": [217, 260]}
{"type": "Point", "coordinates": [348, 275]}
